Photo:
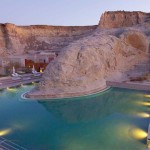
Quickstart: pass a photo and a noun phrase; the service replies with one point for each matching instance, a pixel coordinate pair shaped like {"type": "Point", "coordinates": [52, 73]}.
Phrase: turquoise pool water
{"type": "Point", "coordinates": [114, 120]}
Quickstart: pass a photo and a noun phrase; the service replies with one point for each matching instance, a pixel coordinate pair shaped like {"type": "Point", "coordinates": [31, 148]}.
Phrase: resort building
{"type": "Point", "coordinates": [42, 57]}
{"type": "Point", "coordinates": [39, 59]}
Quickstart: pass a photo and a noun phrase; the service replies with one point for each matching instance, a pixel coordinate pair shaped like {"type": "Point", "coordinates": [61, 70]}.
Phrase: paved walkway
{"type": "Point", "coordinates": [24, 79]}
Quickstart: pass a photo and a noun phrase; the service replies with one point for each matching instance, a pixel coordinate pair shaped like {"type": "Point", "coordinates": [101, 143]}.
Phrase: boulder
{"type": "Point", "coordinates": [84, 66]}
{"type": "Point", "coordinates": [136, 39]}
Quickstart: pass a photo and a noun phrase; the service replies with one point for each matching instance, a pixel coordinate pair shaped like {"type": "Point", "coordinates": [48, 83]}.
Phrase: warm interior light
{"type": "Point", "coordinates": [5, 132]}
{"type": "Point", "coordinates": [138, 133]}
{"type": "Point", "coordinates": [11, 89]}
{"type": "Point", "coordinates": [41, 71]}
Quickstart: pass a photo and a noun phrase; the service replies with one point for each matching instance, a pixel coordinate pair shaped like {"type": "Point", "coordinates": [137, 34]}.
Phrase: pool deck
{"type": "Point", "coordinates": [145, 86]}
{"type": "Point", "coordinates": [7, 82]}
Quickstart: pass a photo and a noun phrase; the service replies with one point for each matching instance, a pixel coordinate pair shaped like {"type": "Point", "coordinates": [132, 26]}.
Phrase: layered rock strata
{"type": "Point", "coordinates": [118, 19]}
{"type": "Point", "coordinates": [18, 40]}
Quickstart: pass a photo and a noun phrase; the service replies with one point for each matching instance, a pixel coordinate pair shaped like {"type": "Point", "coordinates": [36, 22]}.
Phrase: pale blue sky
{"type": "Point", "coordinates": [63, 12]}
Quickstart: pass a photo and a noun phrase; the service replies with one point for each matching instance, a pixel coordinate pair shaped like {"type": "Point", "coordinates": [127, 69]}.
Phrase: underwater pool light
{"type": "Point", "coordinates": [5, 132]}
{"type": "Point", "coordinates": [147, 95]}
{"type": "Point", "coordinates": [138, 133]}
{"type": "Point", "coordinates": [11, 89]}
{"type": "Point", "coordinates": [143, 115]}
{"type": "Point", "coordinates": [144, 103]}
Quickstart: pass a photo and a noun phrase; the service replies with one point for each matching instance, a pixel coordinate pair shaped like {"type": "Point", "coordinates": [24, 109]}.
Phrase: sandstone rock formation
{"type": "Point", "coordinates": [120, 19]}
{"type": "Point", "coordinates": [88, 56]}
{"type": "Point", "coordinates": [21, 39]}
{"type": "Point", "coordinates": [83, 66]}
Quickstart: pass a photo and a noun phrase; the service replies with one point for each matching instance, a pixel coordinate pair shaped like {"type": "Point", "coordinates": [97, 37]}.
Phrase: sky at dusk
{"type": "Point", "coordinates": [64, 12]}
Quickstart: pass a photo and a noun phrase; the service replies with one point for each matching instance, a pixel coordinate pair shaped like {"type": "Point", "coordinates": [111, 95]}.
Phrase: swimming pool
{"type": "Point", "coordinates": [116, 119]}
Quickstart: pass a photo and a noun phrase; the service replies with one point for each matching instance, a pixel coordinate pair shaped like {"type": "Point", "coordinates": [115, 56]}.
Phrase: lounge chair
{"type": "Point", "coordinates": [16, 76]}
{"type": "Point", "coordinates": [35, 73]}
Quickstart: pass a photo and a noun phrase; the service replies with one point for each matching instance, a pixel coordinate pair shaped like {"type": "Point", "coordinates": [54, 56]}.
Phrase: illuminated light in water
{"type": "Point", "coordinates": [143, 115]}
{"type": "Point", "coordinates": [148, 95]}
{"type": "Point", "coordinates": [11, 89]}
{"type": "Point", "coordinates": [144, 103]}
{"type": "Point", "coordinates": [138, 133]}
{"type": "Point", "coordinates": [22, 85]}
{"type": "Point", "coordinates": [17, 126]}
{"type": "Point", "coordinates": [5, 132]}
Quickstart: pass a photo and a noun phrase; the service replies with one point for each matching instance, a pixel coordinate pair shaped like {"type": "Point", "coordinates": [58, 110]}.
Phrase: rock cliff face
{"type": "Point", "coordinates": [16, 40]}
{"type": "Point", "coordinates": [120, 19]}
{"type": "Point", "coordinates": [21, 39]}
{"type": "Point", "coordinates": [85, 64]}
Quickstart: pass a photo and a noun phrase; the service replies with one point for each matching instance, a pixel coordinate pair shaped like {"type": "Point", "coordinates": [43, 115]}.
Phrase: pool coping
{"type": "Point", "coordinates": [121, 84]}
{"type": "Point", "coordinates": [90, 93]}
{"type": "Point", "coordinates": [144, 86]}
